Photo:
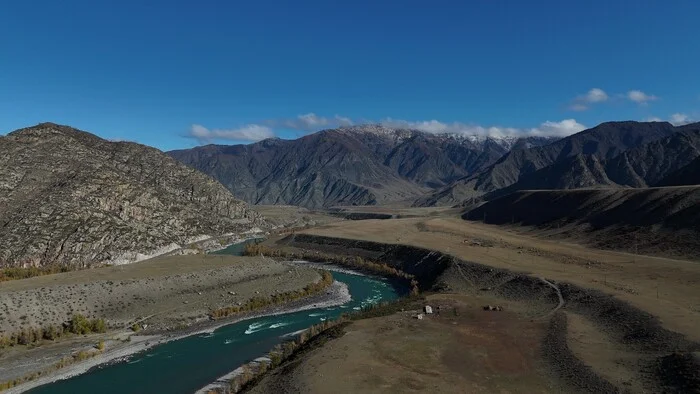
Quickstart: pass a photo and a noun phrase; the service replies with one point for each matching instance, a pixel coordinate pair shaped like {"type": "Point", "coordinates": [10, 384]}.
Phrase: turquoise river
{"type": "Point", "coordinates": [187, 364]}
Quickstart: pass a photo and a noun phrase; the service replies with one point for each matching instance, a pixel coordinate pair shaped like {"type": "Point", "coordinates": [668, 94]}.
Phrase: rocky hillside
{"type": "Point", "coordinates": [665, 162]}
{"type": "Point", "coordinates": [361, 165]}
{"type": "Point", "coordinates": [652, 220]}
{"type": "Point", "coordinates": [68, 197]}
{"type": "Point", "coordinates": [595, 157]}
{"type": "Point", "coordinates": [688, 175]}
{"type": "Point", "coordinates": [650, 164]}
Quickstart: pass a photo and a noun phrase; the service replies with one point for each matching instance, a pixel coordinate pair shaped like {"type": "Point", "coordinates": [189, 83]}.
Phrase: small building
{"type": "Point", "coordinates": [428, 309]}
{"type": "Point", "coordinates": [419, 316]}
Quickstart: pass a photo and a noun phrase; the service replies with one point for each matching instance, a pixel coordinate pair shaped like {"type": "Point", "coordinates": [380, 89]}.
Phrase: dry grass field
{"type": "Point", "coordinates": [666, 288]}
{"type": "Point", "coordinates": [460, 349]}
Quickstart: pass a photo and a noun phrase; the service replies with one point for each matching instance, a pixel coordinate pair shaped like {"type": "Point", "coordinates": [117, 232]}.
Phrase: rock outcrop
{"type": "Point", "coordinates": [70, 198]}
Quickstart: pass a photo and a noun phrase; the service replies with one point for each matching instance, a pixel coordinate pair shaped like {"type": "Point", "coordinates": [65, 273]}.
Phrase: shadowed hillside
{"type": "Point", "coordinates": [360, 165]}
{"type": "Point", "coordinates": [654, 220]}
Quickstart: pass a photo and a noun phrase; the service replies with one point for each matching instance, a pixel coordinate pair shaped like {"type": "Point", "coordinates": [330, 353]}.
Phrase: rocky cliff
{"type": "Point", "coordinates": [68, 197]}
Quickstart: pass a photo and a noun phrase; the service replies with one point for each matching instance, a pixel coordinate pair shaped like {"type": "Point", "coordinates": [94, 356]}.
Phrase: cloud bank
{"type": "Point", "coordinates": [595, 96]}
{"type": "Point", "coordinates": [251, 132]}
{"type": "Point", "coordinates": [547, 129]}
{"type": "Point", "coordinates": [310, 122]}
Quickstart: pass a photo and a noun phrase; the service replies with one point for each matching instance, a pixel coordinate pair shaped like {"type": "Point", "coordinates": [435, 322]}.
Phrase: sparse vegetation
{"type": "Point", "coordinates": [16, 273]}
{"type": "Point", "coordinates": [256, 303]}
{"type": "Point", "coordinates": [253, 371]}
{"type": "Point", "coordinates": [357, 263]}
{"type": "Point", "coordinates": [79, 325]}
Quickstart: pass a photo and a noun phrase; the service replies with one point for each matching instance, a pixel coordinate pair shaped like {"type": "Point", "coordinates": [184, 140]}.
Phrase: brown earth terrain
{"type": "Point", "coordinates": [459, 349]}
{"type": "Point", "coordinates": [667, 288]}
{"type": "Point", "coordinates": [642, 339]}
{"type": "Point", "coordinates": [289, 217]}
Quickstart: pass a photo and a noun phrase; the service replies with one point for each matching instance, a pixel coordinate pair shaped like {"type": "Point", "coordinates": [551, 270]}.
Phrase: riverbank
{"type": "Point", "coordinates": [121, 351]}
{"type": "Point", "coordinates": [164, 295]}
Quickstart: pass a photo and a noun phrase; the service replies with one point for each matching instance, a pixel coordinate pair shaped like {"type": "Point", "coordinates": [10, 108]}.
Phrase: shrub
{"type": "Point", "coordinates": [256, 303]}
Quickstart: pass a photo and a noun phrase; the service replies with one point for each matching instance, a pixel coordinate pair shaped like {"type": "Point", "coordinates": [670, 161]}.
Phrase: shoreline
{"type": "Point", "coordinates": [339, 294]}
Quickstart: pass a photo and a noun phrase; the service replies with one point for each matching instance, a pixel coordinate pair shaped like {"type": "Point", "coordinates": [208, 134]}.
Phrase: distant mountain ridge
{"type": "Point", "coordinates": [68, 197]}
{"type": "Point", "coordinates": [359, 165]}
{"type": "Point", "coordinates": [585, 159]}
{"type": "Point", "coordinates": [664, 162]}
{"type": "Point", "coordinates": [373, 164]}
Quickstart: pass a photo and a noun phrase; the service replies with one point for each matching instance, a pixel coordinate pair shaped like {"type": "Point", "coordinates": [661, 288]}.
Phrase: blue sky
{"type": "Point", "coordinates": [165, 72]}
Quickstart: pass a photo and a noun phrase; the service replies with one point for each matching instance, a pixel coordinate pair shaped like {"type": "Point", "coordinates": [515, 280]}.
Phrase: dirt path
{"type": "Point", "coordinates": [561, 298]}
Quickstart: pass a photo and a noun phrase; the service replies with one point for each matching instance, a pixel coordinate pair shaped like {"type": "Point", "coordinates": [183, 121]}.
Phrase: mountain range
{"type": "Point", "coordinates": [361, 165]}
{"type": "Point", "coordinates": [372, 164]}
{"type": "Point", "coordinates": [668, 161]}
{"type": "Point", "coordinates": [70, 198]}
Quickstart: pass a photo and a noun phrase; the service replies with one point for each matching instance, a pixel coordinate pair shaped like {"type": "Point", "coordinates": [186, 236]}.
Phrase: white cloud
{"type": "Point", "coordinates": [311, 122]}
{"type": "Point", "coordinates": [548, 128]}
{"type": "Point", "coordinates": [593, 96]}
{"type": "Point", "coordinates": [558, 129]}
{"type": "Point", "coordinates": [251, 132]}
{"type": "Point", "coordinates": [679, 119]}
{"type": "Point", "coordinates": [640, 97]}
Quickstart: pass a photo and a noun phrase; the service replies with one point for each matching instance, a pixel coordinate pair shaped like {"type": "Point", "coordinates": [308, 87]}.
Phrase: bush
{"type": "Point", "coordinates": [15, 273]}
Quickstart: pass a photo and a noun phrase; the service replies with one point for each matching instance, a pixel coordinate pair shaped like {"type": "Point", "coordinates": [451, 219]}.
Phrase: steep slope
{"type": "Point", "coordinates": [688, 175]}
{"type": "Point", "coordinates": [323, 169]}
{"type": "Point", "coordinates": [655, 220]}
{"type": "Point", "coordinates": [68, 197]}
{"type": "Point", "coordinates": [360, 165]}
{"type": "Point", "coordinates": [603, 142]}
{"type": "Point", "coordinates": [580, 171]}
{"type": "Point", "coordinates": [649, 164]}
{"type": "Point", "coordinates": [643, 166]}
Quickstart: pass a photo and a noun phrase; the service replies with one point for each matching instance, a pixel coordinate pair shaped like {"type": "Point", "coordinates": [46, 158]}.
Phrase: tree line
{"type": "Point", "coordinates": [78, 325]}
{"type": "Point", "coordinates": [357, 262]}
{"type": "Point", "coordinates": [256, 303]}
{"type": "Point", "coordinates": [16, 273]}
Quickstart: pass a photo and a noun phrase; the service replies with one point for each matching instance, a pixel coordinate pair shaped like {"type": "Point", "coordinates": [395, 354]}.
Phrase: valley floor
{"type": "Point", "coordinates": [666, 288]}
{"type": "Point", "coordinates": [589, 343]}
